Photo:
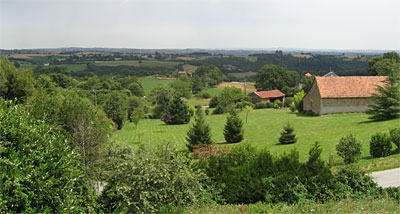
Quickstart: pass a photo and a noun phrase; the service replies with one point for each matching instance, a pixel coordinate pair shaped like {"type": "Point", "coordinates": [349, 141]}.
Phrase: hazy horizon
{"type": "Point", "coordinates": [201, 24]}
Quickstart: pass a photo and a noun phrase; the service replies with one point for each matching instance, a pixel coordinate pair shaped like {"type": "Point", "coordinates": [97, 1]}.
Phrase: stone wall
{"type": "Point", "coordinates": [312, 101]}
{"type": "Point", "coordinates": [344, 105]}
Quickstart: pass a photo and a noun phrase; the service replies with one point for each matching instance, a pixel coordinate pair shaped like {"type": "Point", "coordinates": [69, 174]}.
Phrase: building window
{"type": "Point", "coordinates": [311, 103]}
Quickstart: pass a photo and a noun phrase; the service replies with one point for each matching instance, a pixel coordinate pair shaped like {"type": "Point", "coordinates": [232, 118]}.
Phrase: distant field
{"type": "Point", "coordinates": [243, 74]}
{"type": "Point", "coordinates": [249, 86]}
{"type": "Point", "coordinates": [144, 63]}
{"type": "Point", "coordinates": [252, 58]}
{"type": "Point", "coordinates": [263, 130]}
{"type": "Point", "coordinates": [148, 83]}
{"type": "Point", "coordinates": [70, 67]}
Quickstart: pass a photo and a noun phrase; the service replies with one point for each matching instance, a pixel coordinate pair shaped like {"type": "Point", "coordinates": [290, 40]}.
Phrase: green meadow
{"type": "Point", "coordinates": [148, 83]}
{"type": "Point", "coordinates": [263, 128]}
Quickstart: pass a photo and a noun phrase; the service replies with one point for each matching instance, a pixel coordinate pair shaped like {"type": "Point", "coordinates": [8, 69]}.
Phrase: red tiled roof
{"type": "Point", "coordinates": [308, 75]}
{"type": "Point", "coordinates": [269, 94]}
{"type": "Point", "coordinates": [348, 87]}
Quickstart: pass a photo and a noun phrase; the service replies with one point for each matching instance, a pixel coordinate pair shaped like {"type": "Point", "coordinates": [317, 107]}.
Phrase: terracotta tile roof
{"type": "Point", "coordinates": [347, 87]}
{"type": "Point", "coordinates": [269, 94]}
{"type": "Point", "coordinates": [308, 75]}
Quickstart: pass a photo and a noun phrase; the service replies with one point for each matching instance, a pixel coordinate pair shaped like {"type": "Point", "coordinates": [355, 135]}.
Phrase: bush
{"type": "Point", "coordinates": [287, 136]}
{"type": "Point", "coordinates": [288, 101]}
{"type": "Point", "coordinates": [152, 180]}
{"type": "Point", "coordinates": [213, 102]}
{"type": "Point", "coordinates": [298, 100]}
{"type": "Point", "coordinates": [349, 149]}
{"type": "Point", "coordinates": [354, 183]}
{"type": "Point", "coordinates": [243, 104]}
{"type": "Point", "coordinates": [205, 95]}
{"type": "Point", "coordinates": [259, 106]}
{"type": "Point", "coordinates": [292, 108]}
{"type": "Point", "coordinates": [38, 169]}
{"type": "Point", "coordinates": [380, 145]}
{"type": "Point", "coordinates": [395, 137]}
{"type": "Point", "coordinates": [278, 104]}
{"type": "Point", "coordinates": [233, 130]}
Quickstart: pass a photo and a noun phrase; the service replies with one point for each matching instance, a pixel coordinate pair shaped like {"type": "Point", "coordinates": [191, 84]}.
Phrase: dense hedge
{"type": "Point", "coordinates": [38, 170]}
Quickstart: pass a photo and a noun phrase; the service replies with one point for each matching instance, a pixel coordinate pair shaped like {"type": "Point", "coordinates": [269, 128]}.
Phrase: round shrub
{"type": "Point", "coordinates": [151, 180]}
{"type": "Point", "coordinates": [349, 149]}
{"type": "Point", "coordinates": [395, 136]}
{"type": "Point", "coordinates": [213, 102]}
{"type": "Point", "coordinates": [292, 108]}
{"type": "Point", "coordinates": [380, 145]}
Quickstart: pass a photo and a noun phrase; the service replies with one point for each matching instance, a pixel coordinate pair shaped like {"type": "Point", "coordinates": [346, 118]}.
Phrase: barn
{"type": "Point", "coordinates": [267, 96]}
{"type": "Point", "coordinates": [341, 94]}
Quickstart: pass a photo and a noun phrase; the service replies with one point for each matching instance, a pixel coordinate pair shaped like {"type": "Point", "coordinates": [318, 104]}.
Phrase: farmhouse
{"type": "Point", "coordinates": [267, 96]}
{"type": "Point", "coordinates": [341, 94]}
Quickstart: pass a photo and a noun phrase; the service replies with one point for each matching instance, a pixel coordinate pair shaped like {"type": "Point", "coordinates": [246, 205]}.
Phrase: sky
{"type": "Point", "coordinates": [214, 24]}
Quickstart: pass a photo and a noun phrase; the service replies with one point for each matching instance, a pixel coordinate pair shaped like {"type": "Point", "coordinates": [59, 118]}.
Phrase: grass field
{"type": "Point", "coordinates": [144, 63]}
{"type": "Point", "coordinates": [361, 206]}
{"type": "Point", "coordinates": [70, 67]}
{"type": "Point", "coordinates": [148, 83]}
{"type": "Point", "coordinates": [263, 130]}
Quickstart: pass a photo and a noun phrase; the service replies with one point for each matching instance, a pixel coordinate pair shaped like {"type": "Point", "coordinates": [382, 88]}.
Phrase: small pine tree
{"type": "Point", "coordinates": [233, 131]}
{"type": "Point", "coordinates": [177, 112]}
{"type": "Point", "coordinates": [199, 133]}
{"type": "Point", "coordinates": [287, 136]}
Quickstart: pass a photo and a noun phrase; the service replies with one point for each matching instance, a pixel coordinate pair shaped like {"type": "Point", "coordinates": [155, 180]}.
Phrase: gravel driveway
{"type": "Point", "coordinates": [387, 178]}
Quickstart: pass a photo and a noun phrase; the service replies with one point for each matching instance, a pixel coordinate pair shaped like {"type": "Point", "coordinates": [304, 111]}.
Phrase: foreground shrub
{"type": "Point", "coordinates": [395, 137]}
{"type": "Point", "coordinates": [152, 180]}
{"type": "Point", "coordinates": [380, 145]}
{"type": "Point", "coordinates": [354, 183]}
{"type": "Point", "coordinates": [349, 149]}
{"type": "Point", "coordinates": [38, 171]}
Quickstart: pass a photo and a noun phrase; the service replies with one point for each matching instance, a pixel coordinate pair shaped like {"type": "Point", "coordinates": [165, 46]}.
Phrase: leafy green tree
{"type": "Point", "coordinates": [38, 169]}
{"type": "Point", "coordinates": [116, 107]}
{"type": "Point", "coordinates": [199, 133]}
{"type": "Point", "coordinates": [298, 101]}
{"type": "Point", "coordinates": [233, 130]}
{"type": "Point", "coordinates": [287, 136]}
{"type": "Point", "coordinates": [349, 149]}
{"type": "Point", "coordinates": [387, 97]}
{"type": "Point", "coordinates": [14, 83]}
{"type": "Point", "coordinates": [160, 96]}
{"type": "Point", "coordinates": [182, 88]}
{"type": "Point", "coordinates": [271, 77]}
{"type": "Point", "coordinates": [86, 126]}
{"type": "Point", "coordinates": [227, 99]}
{"type": "Point", "coordinates": [209, 75]}
{"type": "Point", "coordinates": [178, 112]}
{"type": "Point", "coordinates": [380, 145]}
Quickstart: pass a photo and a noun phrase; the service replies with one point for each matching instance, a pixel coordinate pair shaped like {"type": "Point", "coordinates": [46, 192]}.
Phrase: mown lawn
{"type": "Point", "coordinates": [263, 130]}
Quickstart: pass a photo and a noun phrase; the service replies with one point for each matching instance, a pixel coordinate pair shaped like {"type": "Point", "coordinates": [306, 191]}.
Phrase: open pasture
{"type": "Point", "coordinates": [263, 129]}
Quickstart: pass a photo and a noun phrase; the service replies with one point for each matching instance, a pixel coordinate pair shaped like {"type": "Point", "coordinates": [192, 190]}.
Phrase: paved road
{"type": "Point", "coordinates": [387, 178]}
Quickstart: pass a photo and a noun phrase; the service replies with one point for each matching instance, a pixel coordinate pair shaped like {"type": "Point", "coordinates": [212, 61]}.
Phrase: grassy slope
{"type": "Point", "coordinates": [263, 130]}
{"type": "Point", "coordinates": [70, 67]}
{"type": "Point", "coordinates": [148, 83]}
{"type": "Point", "coordinates": [344, 206]}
